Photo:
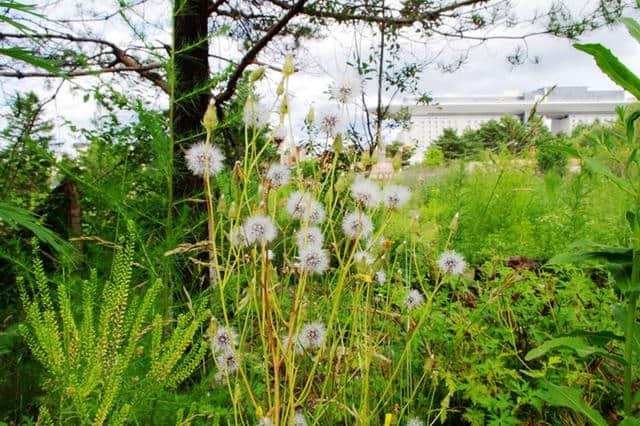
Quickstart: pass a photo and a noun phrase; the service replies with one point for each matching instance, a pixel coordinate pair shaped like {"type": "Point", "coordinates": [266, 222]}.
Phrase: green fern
{"type": "Point", "coordinates": [95, 354]}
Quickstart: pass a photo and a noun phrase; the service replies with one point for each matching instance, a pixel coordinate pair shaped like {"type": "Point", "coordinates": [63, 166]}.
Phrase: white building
{"type": "Point", "coordinates": [562, 110]}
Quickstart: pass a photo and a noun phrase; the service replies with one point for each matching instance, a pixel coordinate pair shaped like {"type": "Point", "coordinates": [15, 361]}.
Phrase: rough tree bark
{"type": "Point", "coordinates": [189, 92]}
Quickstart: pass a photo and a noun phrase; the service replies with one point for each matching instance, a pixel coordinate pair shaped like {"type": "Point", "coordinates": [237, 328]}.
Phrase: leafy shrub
{"type": "Point", "coordinates": [108, 357]}
{"type": "Point", "coordinates": [433, 157]}
{"type": "Point", "coordinates": [552, 159]}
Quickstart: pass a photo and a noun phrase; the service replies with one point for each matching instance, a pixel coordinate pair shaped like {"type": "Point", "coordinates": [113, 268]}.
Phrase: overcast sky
{"type": "Point", "coordinates": [485, 72]}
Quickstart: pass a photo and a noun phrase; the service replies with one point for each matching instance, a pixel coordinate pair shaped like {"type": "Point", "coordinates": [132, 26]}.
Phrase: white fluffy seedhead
{"type": "Point", "coordinates": [278, 175]}
{"type": "Point", "coordinates": [366, 192]}
{"type": "Point", "coordinates": [259, 229]}
{"type": "Point", "coordinates": [414, 299]}
{"type": "Point", "coordinates": [204, 159]}
{"type": "Point", "coordinates": [313, 260]}
{"type": "Point", "coordinates": [331, 122]}
{"type": "Point", "coordinates": [452, 263]}
{"type": "Point", "coordinates": [309, 237]}
{"type": "Point", "coordinates": [346, 88]}
{"type": "Point", "coordinates": [227, 361]}
{"type": "Point", "coordinates": [256, 115]}
{"type": "Point", "coordinates": [225, 339]}
{"type": "Point", "coordinates": [395, 196]}
{"type": "Point", "coordinates": [363, 257]}
{"type": "Point", "coordinates": [357, 225]}
{"type": "Point", "coordinates": [312, 335]}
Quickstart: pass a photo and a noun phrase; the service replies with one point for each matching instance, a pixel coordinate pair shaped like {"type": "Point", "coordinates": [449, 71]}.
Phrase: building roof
{"type": "Point", "coordinates": [560, 100]}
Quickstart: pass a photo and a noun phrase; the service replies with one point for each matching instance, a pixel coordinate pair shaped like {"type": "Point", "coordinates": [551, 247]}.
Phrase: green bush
{"type": "Point", "coordinates": [433, 157]}
{"type": "Point", "coordinates": [550, 159]}
{"type": "Point", "coordinates": [105, 357]}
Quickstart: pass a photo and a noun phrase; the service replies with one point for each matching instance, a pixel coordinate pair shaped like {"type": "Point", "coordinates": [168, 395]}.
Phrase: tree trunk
{"type": "Point", "coordinates": [189, 84]}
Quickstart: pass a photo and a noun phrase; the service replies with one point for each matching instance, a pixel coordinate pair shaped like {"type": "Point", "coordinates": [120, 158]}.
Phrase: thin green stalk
{"type": "Point", "coordinates": [629, 331]}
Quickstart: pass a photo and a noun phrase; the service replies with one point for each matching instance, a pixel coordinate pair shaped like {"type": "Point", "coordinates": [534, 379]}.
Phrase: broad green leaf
{"type": "Point", "coordinates": [598, 167]}
{"type": "Point", "coordinates": [612, 67]}
{"type": "Point", "coordinates": [620, 315]}
{"type": "Point", "coordinates": [598, 338]}
{"type": "Point", "coordinates": [631, 115]}
{"type": "Point", "coordinates": [594, 165]}
{"type": "Point", "coordinates": [563, 396]}
{"type": "Point", "coordinates": [630, 421]}
{"type": "Point", "coordinates": [632, 26]}
{"type": "Point", "coordinates": [17, 216]}
{"type": "Point", "coordinates": [28, 57]}
{"type": "Point", "coordinates": [576, 344]}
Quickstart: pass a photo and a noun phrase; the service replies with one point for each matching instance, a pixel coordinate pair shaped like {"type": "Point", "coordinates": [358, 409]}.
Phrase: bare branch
{"type": "Point", "coordinates": [130, 63]}
{"type": "Point", "coordinates": [251, 55]}
{"type": "Point", "coordinates": [138, 69]}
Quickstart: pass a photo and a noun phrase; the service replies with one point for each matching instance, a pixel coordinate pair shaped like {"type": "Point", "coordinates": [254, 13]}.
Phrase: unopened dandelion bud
{"type": "Point", "coordinates": [308, 120]}
{"type": "Point", "coordinates": [222, 204]}
{"type": "Point", "coordinates": [454, 222]}
{"type": "Point", "coordinates": [280, 88]}
{"type": "Point", "coordinates": [284, 107]}
{"type": "Point", "coordinates": [139, 351]}
{"type": "Point", "coordinates": [210, 118]}
{"type": "Point", "coordinates": [337, 144]}
{"type": "Point", "coordinates": [257, 74]}
{"type": "Point", "coordinates": [341, 183]}
{"type": "Point", "coordinates": [233, 209]}
{"type": "Point", "coordinates": [288, 68]}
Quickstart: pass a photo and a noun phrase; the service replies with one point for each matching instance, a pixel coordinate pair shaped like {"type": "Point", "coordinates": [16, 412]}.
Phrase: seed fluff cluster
{"type": "Point", "coordinates": [278, 175]}
{"type": "Point", "coordinates": [331, 122]}
{"type": "Point", "coordinates": [202, 158]}
{"type": "Point", "coordinates": [346, 88]}
{"type": "Point", "coordinates": [366, 192]}
{"type": "Point", "coordinates": [357, 225]}
{"type": "Point", "coordinates": [302, 206]}
{"type": "Point", "coordinates": [452, 263]}
{"type": "Point", "coordinates": [395, 196]}
{"type": "Point", "coordinates": [414, 299]}
{"type": "Point", "coordinates": [256, 115]}
{"type": "Point", "coordinates": [312, 335]}
{"type": "Point", "coordinates": [259, 229]}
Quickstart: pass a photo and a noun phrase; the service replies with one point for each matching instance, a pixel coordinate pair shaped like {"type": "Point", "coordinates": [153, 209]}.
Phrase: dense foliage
{"type": "Point", "coordinates": [275, 289]}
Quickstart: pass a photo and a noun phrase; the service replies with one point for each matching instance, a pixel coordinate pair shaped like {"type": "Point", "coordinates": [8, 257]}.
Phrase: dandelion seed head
{"type": "Point", "coordinates": [280, 135]}
{"type": "Point", "coordinates": [299, 419]}
{"type": "Point", "coordinates": [204, 158]}
{"type": "Point", "coordinates": [357, 225]}
{"type": "Point", "coordinates": [366, 192]}
{"type": "Point", "coordinates": [313, 260]}
{"type": "Point", "coordinates": [309, 237]}
{"type": "Point", "coordinates": [316, 214]}
{"type": "Point", "coordinates": [395, 196]}
{"type": "Point", "coordinates": [298, 204]}
{"type": "Point", "coordinates": [414, 421]}
{"type": "Point", "coordinates": [346, 88]}
{"type": "Point", "coordinates": [414, 299]}
{"type": "Point", "coordinates": [381, 276]}
{"type": "Point", "coordinates": [312, 335]}
{"type": "Point", "coordinates": [238, 237]}
{"type": "Point", "coordinates": [364, 257]}
{"type": "Point", "coordinates": [225, 339]}
{"type": "Point", "coordinates": [278, 175]}
{"type": "Point", "coordinates": [331, 122]}
{"type": "Point", "coordinates": [227, 361]}
{"type": "Point", "coordinates": [256, 115]}
{"type": "Point", "coordinates": [265, 421]}
{"type": "Point", "coordinates": [452, 263]}
{"type": "Point", "coordinates": [285, 343]}
{"type": "Point", "coordinates": [259, 229]}
{"type": "Point", "coordinates": [303, 207]}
